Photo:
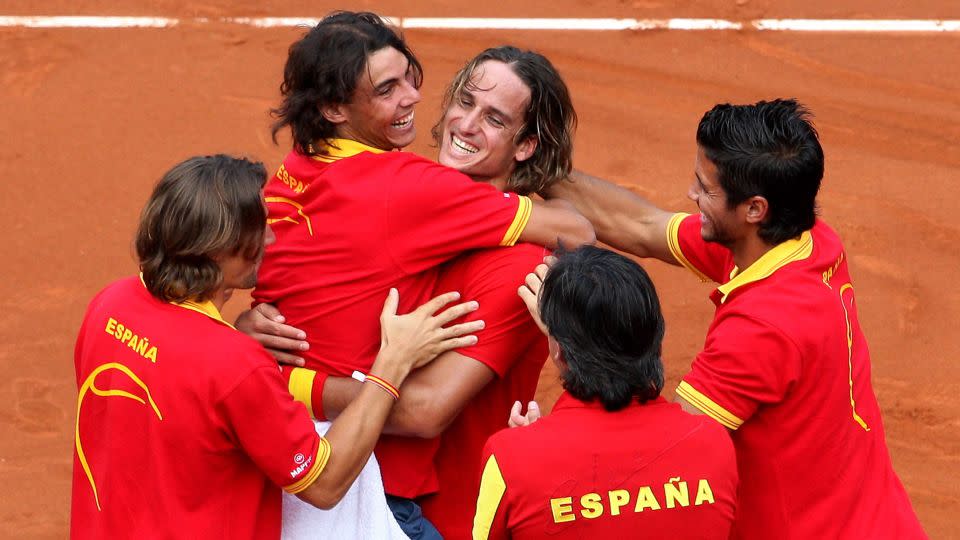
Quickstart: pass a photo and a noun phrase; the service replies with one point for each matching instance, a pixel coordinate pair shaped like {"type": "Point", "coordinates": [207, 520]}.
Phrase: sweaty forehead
{"type": "Point", "coordinates": [496, 84]}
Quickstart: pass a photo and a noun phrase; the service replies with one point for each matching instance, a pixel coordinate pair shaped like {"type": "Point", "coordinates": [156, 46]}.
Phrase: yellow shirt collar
{"type": "Point", "coordinates": [208, 308]}
{"type": "Point", "coordinates": [781, 255]}
{"type": "Point", "coordinates": [343, 148]}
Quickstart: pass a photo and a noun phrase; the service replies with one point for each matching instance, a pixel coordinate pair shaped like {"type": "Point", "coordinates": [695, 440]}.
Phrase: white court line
{"type": "Point", "coordinates": [856, 25]}
{"type": "Point", "coordinates": [87, 22]}
{"type": "Point", "coordinates": [463, 23]}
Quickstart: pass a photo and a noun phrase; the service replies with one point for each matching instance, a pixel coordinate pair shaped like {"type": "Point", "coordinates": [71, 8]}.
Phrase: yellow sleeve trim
{"type": "Point", "coordinates": [320, 462]}
{"type": "Point", "coordinates": [708, 406]}
{"type": "Point", "coordinates": [492, 488]}
{"type": "Point", "coordinates": [301, 386]}
{"type": "Point", "coordinates": [673, 242]}
{"type": "Point", "coordinates": [519, 221]}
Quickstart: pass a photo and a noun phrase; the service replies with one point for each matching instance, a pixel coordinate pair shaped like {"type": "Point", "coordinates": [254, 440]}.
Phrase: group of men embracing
{"type": "Point", "coordinates": [387, 414]}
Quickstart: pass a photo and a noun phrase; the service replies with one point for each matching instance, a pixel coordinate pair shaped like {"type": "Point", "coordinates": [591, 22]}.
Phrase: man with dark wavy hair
{"type": "Point", "coordinates": [393, 218]}
{"type": "Point", "coordinates": [184, 425]}
{"type": "Point", "coordinates": [785, 366]}
{"type": "Point", "coordinates": [613, 459]}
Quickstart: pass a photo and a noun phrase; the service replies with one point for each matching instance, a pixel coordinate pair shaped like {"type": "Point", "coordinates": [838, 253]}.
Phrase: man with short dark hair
{"type": "Point", "coordinates": [613, 459]}
{"type": "Point", "coordinates": [785, 365]}
{"type": "Point", "coordinates": [185, 424]}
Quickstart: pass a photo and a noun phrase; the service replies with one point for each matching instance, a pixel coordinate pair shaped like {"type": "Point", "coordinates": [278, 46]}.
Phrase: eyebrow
{"type": "Point", "coordinates": [700, 181]}
{"type": "Point", "coordinates": [391, 81]}
{"type": "Point", "coordinates": [494, 110]}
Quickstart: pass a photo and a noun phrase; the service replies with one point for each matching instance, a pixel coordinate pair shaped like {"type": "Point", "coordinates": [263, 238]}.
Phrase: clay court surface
{"type": "Point", "coordinates": [92, 118]}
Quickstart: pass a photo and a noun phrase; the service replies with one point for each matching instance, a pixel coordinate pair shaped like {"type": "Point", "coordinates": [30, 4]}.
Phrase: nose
{"type": "Point", "coordinates": [268, 236]}
{"type": "Point", "coordinates": [412, 95]}
{"type": "Point", "coordinates": [692, 192]}
{"type": "Point", "coordinates": [470, 120]}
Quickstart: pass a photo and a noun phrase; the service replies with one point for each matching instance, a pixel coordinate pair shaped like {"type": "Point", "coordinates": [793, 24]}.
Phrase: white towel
{"type": "Point", "coordinates": [361, 514]}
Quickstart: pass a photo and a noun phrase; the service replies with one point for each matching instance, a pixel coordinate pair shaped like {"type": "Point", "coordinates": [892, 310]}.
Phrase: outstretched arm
{"type": "Point", "coordinates": [621, 218]}
{"type": "Point", "coordinates": [557, 222]}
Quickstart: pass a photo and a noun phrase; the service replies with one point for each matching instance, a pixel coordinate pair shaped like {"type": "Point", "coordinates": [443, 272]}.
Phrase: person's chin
{"type": "Point", "coordinates": [707, 235]}
{"type": "Point", "coordinates": [456, 161]}
{"type": "Point", "coordinates": [405, 139]}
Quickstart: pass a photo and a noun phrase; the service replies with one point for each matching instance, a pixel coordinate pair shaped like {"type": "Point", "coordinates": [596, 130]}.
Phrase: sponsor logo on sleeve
{"type": "Point", "coordinates": [303, 463]}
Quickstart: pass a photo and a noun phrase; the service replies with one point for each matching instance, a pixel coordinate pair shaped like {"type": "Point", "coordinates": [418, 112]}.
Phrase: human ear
{"type": "Point", "coordinates": [526, 149]}
{"type": "Point", "coordinates": [757, 209]}
{"type": "Point", "coordinates": [335, 114]}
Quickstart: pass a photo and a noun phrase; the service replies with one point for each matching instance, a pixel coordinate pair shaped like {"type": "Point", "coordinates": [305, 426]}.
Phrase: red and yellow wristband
{"type": "Point", "coordinates": [384, 385]}
{"type": "Point", "coordinates": [306, 386]}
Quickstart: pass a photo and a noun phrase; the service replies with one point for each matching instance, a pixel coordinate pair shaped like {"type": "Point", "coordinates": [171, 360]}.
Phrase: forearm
{"type": "Point", "coordinates": [621, 218]}
{"type": "Point", "coordinates": [415, 414]}
{"type": "Point", "coordinates": [354, 433]}
{"type": "Point", "coordinates": [352, 437]}
{"type": "Point", "coordinates": [430, 398]}
{"type": "Point", "coordinates": [571, 228]}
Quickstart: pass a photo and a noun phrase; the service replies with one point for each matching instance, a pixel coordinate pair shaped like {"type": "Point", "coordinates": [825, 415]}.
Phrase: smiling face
{"type": "Point", "coordinates": [480, 126]}
{"type": "Point", "coordinates": [718, 222]}
{"type": "Point", "coordinates": [380, 112]}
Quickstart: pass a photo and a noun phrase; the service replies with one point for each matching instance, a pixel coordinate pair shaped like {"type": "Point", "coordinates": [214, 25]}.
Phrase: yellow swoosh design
{"type": "Point", "coordinates": [89, 384]}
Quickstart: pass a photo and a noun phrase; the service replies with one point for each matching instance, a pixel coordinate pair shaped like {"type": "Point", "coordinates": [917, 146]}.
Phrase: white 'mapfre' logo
{"type": "Point", "coordinates": [304, 463]}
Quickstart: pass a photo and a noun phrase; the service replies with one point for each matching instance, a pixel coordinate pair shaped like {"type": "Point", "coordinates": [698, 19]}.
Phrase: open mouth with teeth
{"type": "Point", "coordinates": [463, 146]}
{"type": "Point", "coordinates": [403, 122]}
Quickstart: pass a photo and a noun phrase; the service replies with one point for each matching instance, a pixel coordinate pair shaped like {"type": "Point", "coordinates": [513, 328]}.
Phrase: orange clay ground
{"type": "Point", "coordinates": [91, 118]}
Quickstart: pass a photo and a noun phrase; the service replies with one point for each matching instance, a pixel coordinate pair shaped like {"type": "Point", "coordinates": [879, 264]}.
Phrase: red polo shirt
{"type": "Point", "coordinates": [650, 471]}
{"type": "Point", "coordinates": [184, 427]}
{"type": "Point", "coordinates": [351, 224]}
{"type": "Point", "coordinates": [513, 347]}
{"type": "Point", "coordinates": [785, 364]}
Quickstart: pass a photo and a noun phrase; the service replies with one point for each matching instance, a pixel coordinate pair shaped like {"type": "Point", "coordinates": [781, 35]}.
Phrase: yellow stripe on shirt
{"type": "Point", "coordinates": [301, 386]}
{"type": "Point", "coordinates": [519, 221]}
{"type": "Point", "coordinates": [673, 242]}
{"type": "Point", "coordinates": [708, 407]}
{"type": "Point", "coordinates": [492, 488]}
{"type": "Point", "coordinates": [320, 462]}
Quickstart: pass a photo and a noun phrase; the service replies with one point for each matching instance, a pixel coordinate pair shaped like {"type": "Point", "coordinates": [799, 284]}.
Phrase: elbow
{"type": "Point", "coordinates": [426, 425]}
{"type": "Point", "coordinates": [325, 497]}
{"type": "Point", "coordinates": [327, 504]}
{"type": "Point", "coordinates": [581, 234]}
{"type": "Point", "coordinates": [425, 419]}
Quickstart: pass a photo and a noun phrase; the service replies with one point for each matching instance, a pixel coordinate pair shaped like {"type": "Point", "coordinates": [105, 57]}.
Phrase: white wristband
{"type": "Point", "coordinates": [359, 376]}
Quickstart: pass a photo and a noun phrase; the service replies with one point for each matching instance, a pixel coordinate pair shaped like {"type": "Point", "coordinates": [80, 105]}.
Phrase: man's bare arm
{"type": "Point", "coordinates": [621, 218]}
{"type": "Point", "coordinates": [431, 399]}
{"type": "Point", "coordinates": [557, 222]}
{"type": "Point", "coordinates": [686, 405]}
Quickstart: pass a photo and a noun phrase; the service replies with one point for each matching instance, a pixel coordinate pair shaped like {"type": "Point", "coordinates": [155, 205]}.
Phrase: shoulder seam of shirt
{"type": "Point", "coordinates": [240, 380]}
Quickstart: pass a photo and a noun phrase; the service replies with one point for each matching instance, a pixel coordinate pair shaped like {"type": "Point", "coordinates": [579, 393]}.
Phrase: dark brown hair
{"type": "Point", "coordinates": [604, 313]}
{"type": "Point", "coordinates": [202, 208]}
{"type": "Point", "coordinates": [324, 67]}
{"type": "Point", "coordinates": [770, 149]}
